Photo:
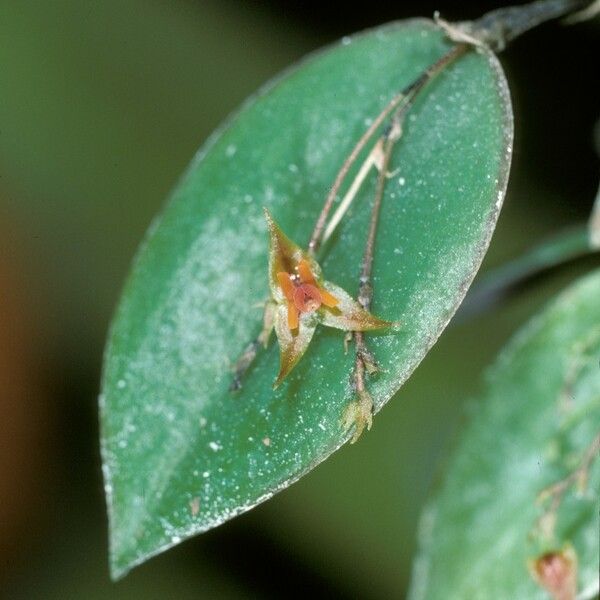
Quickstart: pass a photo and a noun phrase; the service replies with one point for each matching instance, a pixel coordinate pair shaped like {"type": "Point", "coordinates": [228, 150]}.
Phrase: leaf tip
{"type": "Point", "coordinates": [117, 567]}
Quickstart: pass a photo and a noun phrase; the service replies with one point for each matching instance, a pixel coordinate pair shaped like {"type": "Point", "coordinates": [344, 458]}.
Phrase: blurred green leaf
{"type": "Point", "coordinates": [181, 454]}
{"type": "Point", "coordinates": [534, 426]}
{"type": "Point", "coordinates": [553, 252]}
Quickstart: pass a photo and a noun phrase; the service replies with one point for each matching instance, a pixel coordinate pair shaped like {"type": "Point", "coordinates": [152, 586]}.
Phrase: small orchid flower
{"type": "Point", "coordinates": [303, 299]}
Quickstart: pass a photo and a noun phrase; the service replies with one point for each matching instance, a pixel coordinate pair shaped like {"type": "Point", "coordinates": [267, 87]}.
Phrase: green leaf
{"type": "Point", "coordinates": [537, 419]}
{"type": "Point", "coordinates": [181, 453]}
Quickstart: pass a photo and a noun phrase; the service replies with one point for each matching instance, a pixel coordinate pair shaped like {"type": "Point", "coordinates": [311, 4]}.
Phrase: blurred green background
{"type": "Point", "coordinates": [102, 105]}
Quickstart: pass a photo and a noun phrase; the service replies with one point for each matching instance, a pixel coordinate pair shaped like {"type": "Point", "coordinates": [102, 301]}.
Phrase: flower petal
{"type": "Point", "coordinates": [287, 287]}
{"type": "Point", "coordinates": [348, 314]}
{"type": "Point", "coordinates": [285, 256]}
{"type": "Point", "coordinates": [328, 299]}
{"type": "Point", "coordinates": [305, 272]}
{"type": "Point", "coordinates": [292, 344]}
{"type": "Point", "coordinates": [292, 316]}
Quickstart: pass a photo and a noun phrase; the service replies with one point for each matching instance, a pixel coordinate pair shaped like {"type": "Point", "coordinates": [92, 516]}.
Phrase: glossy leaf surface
{"type": "Point", "coordinates": [534, 427]}
{"type": "Point", "coordinates": [181, 453]}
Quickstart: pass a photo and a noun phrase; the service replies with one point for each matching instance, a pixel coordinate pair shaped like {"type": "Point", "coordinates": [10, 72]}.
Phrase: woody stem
{"type": "Point", "coordinates": [364, 362]}
{"type": "Point", "coordinates": [499, 27]}
{"type": "Point", "coordinates": [365, 291]}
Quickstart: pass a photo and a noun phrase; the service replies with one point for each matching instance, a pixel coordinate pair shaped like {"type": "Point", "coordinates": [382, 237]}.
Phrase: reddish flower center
{"type": "Point", "coordinates": [303, 293]}
{"type": "Point", "coordinates": [307, 298]}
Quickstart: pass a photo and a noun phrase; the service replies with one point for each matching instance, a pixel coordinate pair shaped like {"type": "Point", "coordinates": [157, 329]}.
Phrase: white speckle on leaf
{"type": "Point", "coordinates": [194, 506]}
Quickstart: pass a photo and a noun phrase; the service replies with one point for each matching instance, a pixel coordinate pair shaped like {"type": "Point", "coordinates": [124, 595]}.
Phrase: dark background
{"type": "Point", "coordinates": [102, 105]}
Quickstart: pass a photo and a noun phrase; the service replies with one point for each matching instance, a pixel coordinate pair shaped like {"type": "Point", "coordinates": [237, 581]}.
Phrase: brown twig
{"type": "Point", "coordinates": [555, 492]}
{"type": "Point", "coordinates": [361, 412]}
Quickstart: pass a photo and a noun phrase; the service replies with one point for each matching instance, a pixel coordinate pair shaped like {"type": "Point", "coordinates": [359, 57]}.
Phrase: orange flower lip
{"type": "Point", "coordinates": [303, 293]}
{"type": "Point", "coordinates": [307, 298]}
